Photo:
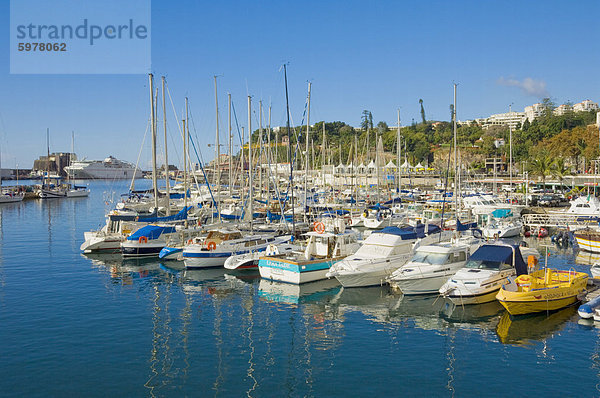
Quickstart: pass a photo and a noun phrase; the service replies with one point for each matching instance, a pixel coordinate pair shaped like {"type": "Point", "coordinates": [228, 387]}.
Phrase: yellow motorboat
{"type": "Point", "coordinates": [543, 290]}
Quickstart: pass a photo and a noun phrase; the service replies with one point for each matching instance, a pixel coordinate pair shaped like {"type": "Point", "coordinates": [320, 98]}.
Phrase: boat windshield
{"type": "Point", "coordinates": [486, 264]}
{"type": "Point", "coordinates": [430, 258]}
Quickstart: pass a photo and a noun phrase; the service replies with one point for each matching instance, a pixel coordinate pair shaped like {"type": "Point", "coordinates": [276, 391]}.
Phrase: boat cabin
{"type": "Point", "coordinates": [329, 245]}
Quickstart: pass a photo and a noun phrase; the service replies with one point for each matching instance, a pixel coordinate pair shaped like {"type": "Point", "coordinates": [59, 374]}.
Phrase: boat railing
{"type": "Point", "coordinates": [558, 220]}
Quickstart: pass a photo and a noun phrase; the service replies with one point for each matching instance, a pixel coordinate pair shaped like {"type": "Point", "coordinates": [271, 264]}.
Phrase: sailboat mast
{"type": "Point", "coordinates": [218, 150]}
{"type": "Point", "coordinates": [455, 157]}
{"type": "Point", "coordinates": [323, 157]}
{"type": "Point", "coordinates": [260, 149]}
{"type": "Point", "coordinates": [398, 155]}
{"type": "Point", "coordinates": [269, 157]}
{"type": "Point", "coordinates": [230, 147]}
{"type": "Point", "coordinates": [153, 128]}
{"type": "Point", "coordinates": [378, 139]}
{"type": "Point", "coordinates": [164, 106]}
{"type": "Point", "coordinates": [250, 182]}
{"type": "Point", "coordinates": [306, 153]}
{"type": "Point", "coordinates": [48, 158]}
{"type": "Point", "coordinates": [185, 177]}
{"type": "Point", "coordinates": [289, 151]}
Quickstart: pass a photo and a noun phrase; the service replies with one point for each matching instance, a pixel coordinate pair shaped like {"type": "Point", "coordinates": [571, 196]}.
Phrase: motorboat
{"type": "Point", "coordinates": [542, 290]}
{"type": "Point", "coordinates": [486, 271]}
{"type": "Point", "coordinates": [221, 243]}
{"type": "Point", "coordinates": [281, 245]}
{"type": "Point", "coordinates": [381, 253]}
{"type": "Point", "coordinates": [506, 228]}
{"type": "Point", "coordinates": [323, 249]}
{"type": "Point", "coordinates": [432, 265]}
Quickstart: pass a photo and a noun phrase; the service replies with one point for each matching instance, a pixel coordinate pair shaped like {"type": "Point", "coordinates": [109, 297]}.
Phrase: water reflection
{"type": "Point", "coordinates": [528, 328]}
{"type": "Point", "coordinates": [288, 293]}
{"type": "Point", "coordinates": [242, 332]}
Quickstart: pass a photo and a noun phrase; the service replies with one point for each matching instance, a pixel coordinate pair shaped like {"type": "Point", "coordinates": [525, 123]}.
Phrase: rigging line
{"type": "Point", "coordinates": [137, 162]}
{"type": "Point", "coordinates": [200, 159]}
{"type": "Point", "coordinates": [179, 127]}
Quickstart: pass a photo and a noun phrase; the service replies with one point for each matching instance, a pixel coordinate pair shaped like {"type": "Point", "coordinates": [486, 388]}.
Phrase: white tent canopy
{"type": "Point", "coordinates": [406, 165]}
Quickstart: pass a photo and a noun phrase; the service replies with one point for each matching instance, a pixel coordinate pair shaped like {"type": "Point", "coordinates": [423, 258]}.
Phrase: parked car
{"type": "Point", "coordinates": [549, 200]}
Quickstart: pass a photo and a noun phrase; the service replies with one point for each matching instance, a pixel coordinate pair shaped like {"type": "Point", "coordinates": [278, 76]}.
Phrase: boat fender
{"type": "Point", "coordinates": [532, 263]}
{"type": "Point", "coordinates": [143, 239]}
{"type": "Point", "coordinates": [211, 245]}
{"type": "Point", "coordinates": [379, 217]}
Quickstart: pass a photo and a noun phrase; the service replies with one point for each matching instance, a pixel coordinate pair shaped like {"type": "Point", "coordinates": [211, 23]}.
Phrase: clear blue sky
{"type": "Point", "coordinates": [379, 56]}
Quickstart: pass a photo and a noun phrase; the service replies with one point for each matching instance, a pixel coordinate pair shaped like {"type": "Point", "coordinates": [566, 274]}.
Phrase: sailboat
{"type": "Point", "coordinates": [8, 197]}
{"type": "Point", "coordinates": [50, 190]}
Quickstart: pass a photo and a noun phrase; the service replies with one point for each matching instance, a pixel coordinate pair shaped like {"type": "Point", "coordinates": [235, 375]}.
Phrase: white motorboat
{"type": "Point", "coordinates": [502, 228]}
{"type": "Point", "coordinates": [383, 252]}
{"type": "Point", "coordinates": [432, 265]}
{"type": "Point", "coordinates": [220, 244]}
{"type": "Point", "coordinates": [323, 249]}
{"type": "Point", "coordinates": [281, 245]}
{"type": "Point", "coordinates": [487, 270]}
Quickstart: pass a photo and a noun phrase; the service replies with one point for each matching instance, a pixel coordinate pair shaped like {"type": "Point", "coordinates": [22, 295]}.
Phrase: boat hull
{"type": "Point", "coordinates": [289, 271]}
{"type": "Point", "coordinates": [530, 307]}
{"type": "Point", "coordinates": [481, 298]}
{"type": "Point", "coordinates": [363, 279]}
{"type": "Point", "coordinates": [205, 260]}
{"type": "Point", "coordinates": [588, 242]}
{"type": "Point", "coordinates": [137, 249]}
{"type": "Point", "coordinates": [170, 253]}
{"type": "Point", "coordinates": [51, 194]}
{"type": "Point", "coordinates": [103, 243]}
{"type": "Point", "coordinates": [426, 285]}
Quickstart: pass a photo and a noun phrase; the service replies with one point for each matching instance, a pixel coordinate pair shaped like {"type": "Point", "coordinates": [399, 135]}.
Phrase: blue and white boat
{"type": "Point", "coordinates": [147, 241]}
{"type": "Point", "coordinates": [219, 245]}
{"type": "Point", "coordinates": [321, 252]}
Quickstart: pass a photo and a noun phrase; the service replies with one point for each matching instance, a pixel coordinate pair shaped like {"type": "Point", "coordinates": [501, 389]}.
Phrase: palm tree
{"type": "Point", "coordinates": [541, 166]}
{"type": "Point", "coordinates": [559, 170]}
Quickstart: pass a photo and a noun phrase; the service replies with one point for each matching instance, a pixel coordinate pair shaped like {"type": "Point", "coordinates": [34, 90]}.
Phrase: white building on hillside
{"type": "Point", "coordinates": [585, 106]}
{"type": "Point", "coordinates": [511, 119]}
{"type": "Point", "coordinates": [562, 109]}
{"type": "Point", "coordinates": [534, 111]}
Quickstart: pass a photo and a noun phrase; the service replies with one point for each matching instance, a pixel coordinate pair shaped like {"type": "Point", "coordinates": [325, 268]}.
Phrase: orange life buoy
{"type": "Point", "coordinates": [143, 239]}
{"type": "Point", "coordinates": [211, 245]}
{"type": "Point", "coordinates": [320, 227]}
{"type": "Point", "coordinates": [190, 241]}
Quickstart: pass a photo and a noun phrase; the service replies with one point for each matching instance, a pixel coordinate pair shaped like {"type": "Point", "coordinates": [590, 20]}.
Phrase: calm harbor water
{"type": "Point", "coordinates": [75, 325]}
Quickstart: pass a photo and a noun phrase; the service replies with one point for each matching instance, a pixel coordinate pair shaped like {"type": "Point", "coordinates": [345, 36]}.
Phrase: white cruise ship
{"type": "Point", "coordinates": [109, 168]}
